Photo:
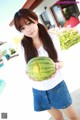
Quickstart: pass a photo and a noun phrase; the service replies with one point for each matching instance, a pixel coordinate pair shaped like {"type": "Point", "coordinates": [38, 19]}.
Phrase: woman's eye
{"type": "Point", "coordinates": [22, 29]}
{"type": "Point", "coordinates": [28, 23]}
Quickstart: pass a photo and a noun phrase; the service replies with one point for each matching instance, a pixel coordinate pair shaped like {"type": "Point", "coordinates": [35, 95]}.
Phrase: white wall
{"type": "Point", "coordinates": [48, 3]}
{"type": "Point", "coordinates": [40, 9]}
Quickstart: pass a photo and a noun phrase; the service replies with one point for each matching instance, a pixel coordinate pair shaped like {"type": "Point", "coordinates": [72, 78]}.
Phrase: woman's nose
{"type": "Point", "coordinates": [28, 32]}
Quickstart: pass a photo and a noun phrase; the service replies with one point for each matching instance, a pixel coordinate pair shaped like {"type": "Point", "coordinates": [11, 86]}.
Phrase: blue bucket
{"type": "Point", "coordinates": [2, 85]}
{"type": "Point", "coordinates": [7, 56]}
{"type": "Point", "coordinates": [1, 64]}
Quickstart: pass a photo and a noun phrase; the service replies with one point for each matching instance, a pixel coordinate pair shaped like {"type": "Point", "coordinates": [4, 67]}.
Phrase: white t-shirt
{"type": "Point", "coordinates": [53, 81]}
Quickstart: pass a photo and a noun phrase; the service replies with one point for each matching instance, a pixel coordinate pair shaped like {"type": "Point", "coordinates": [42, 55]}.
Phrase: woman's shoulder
{"type": "Point", "coordinates": [54, 37]}
{"type": "Point", "coordinates": [20, 48]}
{"type": "Point", "coordinates": [56, 41]}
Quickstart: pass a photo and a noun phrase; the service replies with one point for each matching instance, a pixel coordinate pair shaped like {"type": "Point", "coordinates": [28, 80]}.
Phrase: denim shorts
{"type": "Point", "coordinates": [57, 97]}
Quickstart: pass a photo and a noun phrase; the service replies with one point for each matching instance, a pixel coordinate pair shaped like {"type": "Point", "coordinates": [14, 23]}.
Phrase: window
{"type": "Point", "coordinates": [71, 10]}
{"type": "Point", "coordinates": [58, 15]}
{"type": "Point", "coordinates": [45, 19]}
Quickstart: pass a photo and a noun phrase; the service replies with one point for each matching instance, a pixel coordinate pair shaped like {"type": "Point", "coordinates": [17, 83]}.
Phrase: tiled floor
{"type": "Point", "coordinates": [16, 99]}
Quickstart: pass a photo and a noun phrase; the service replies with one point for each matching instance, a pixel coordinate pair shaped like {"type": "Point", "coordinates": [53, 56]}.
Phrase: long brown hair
{"type": "Point", "coordinates": [27, 42]}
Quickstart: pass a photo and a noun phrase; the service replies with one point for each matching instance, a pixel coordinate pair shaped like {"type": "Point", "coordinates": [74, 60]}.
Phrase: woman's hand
{"type": "Point", "coordinates": [59, 65]}
{"type": "Point", "coordinates": [30, 78]}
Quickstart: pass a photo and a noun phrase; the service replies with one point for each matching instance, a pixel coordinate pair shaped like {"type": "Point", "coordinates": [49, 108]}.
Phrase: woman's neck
{"type": "Point", "coordinates": [37, 42]}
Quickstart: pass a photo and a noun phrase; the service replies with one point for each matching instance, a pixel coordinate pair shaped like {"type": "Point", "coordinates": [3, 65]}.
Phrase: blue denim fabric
{"type": "Point", "coordinates": [58, 98]}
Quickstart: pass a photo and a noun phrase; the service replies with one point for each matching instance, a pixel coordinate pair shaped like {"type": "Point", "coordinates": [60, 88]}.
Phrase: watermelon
{"type": "Point", "coordinates": [41, 68]}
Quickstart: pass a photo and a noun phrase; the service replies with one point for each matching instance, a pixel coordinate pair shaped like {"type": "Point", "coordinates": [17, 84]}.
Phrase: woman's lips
{"type": "Point", "coordinates": [31, 33]}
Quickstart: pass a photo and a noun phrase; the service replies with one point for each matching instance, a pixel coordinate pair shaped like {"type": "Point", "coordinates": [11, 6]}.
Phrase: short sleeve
{"type": "Point", "coordinates": [22, 61]}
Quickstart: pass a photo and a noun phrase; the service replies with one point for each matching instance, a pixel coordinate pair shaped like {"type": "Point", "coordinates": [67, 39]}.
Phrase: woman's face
{"type": "Point", "coordinates": [30, 29]}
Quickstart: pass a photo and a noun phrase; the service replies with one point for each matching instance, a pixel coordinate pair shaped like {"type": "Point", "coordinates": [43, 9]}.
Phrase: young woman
{"type": "Point", "coordinates": [52, 94]}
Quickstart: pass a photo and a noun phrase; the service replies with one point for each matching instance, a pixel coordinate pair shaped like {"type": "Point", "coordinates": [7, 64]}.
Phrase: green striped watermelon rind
{"type": "Point", "coordinates": [45, 65]}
